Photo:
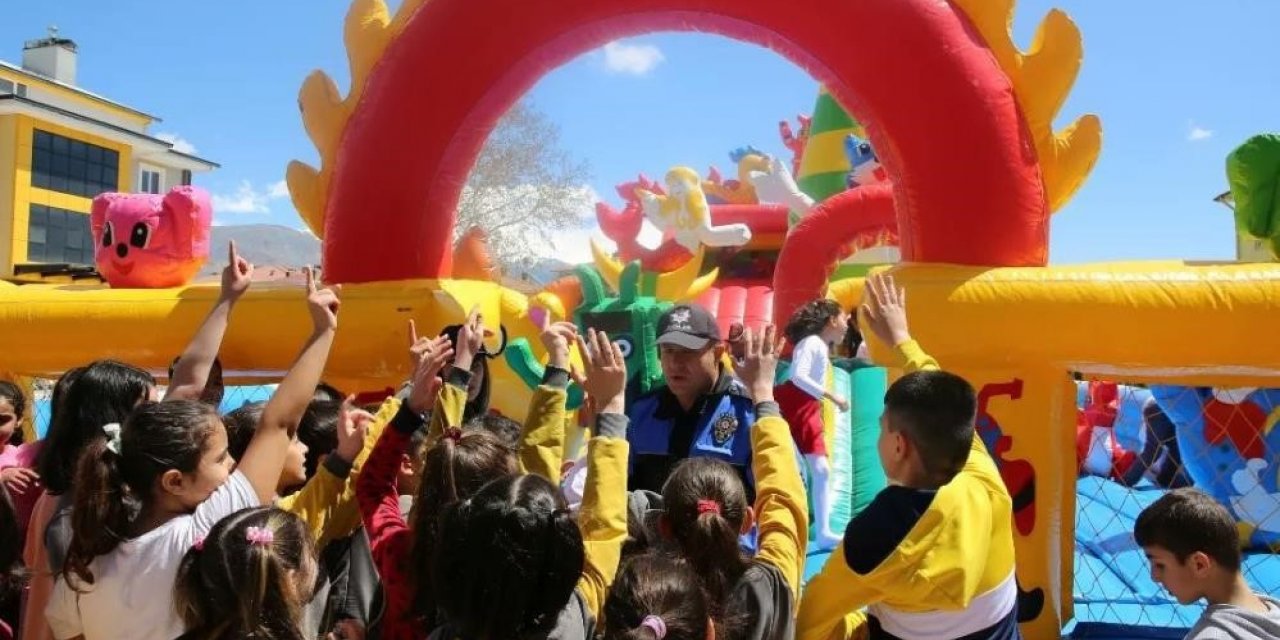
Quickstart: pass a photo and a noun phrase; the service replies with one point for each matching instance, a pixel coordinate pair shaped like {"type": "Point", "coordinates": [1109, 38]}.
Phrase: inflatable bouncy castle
{"type": "Point", "coordinates": [972, 236]}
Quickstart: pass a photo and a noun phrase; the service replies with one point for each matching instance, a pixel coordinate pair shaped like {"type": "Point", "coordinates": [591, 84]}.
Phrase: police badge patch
{"type": "Point", "coordinates": [725, 425]}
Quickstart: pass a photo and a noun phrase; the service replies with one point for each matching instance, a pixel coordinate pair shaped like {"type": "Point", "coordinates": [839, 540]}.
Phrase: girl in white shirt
{"type": "Point", "coordinates": [812, 331]}
{"type": "Point", "coordinates": [148, 491]}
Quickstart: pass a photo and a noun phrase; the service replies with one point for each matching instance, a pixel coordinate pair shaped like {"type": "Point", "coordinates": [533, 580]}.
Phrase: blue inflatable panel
{"type": "Point", "coordinates": [232, 399]}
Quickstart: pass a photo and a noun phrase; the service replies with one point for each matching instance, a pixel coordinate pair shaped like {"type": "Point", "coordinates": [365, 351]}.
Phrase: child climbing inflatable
{"type": "Point", "coordinates": [812, 331]}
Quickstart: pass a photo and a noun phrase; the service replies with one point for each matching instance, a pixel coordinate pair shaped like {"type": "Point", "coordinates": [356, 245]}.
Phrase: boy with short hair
{"type": "Point", "coordinates": [932, 555]}
{"type": "Point", "coordinates": [1194, 549]}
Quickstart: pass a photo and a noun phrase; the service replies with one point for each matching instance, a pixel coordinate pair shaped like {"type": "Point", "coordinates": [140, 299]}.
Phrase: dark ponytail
{"type": "Point", "coordinates": [453, 469]}
{"type": "Point", "coordinates": [705, 506]}
{"type": "Point", "coordinates": [103, 392]}
{"type": "Point", "coordinates": [655, 589]}
{"type": "Point", "coordinates": [234, 585]}
{"type": "Point", "coordinates": [512, 556]}
{"type": "Point", "coordinates": [115, 480]}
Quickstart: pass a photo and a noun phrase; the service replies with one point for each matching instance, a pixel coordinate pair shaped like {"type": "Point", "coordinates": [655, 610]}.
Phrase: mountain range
{"type": "Point", "coordinates": [267, 244]}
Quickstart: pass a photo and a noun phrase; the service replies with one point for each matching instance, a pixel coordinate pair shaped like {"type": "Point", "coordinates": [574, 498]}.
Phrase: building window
{"type": "Point", "coordinates": [59, 236]}
{"type": "Point", "coordinates": [149, 181]}
{"type": "Point", "coordinates": [22, 90]}
{"type": "Point", "coordinates": [6, 87]}
{"type": "Point", "coordinates": [70, 166]}
{"type": "Point", "coordinates": [186, 177]}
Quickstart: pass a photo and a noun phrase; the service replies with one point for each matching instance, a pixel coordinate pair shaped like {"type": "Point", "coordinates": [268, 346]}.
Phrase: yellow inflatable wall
{"type": "Point", "coordinates": [1018, 333]}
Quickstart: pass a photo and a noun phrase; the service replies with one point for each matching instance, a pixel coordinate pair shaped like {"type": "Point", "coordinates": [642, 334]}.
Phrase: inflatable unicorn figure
{"type": "Point", "coordinates": [684, 211]}
{"type": "Point", "coordinates": [145, 241]}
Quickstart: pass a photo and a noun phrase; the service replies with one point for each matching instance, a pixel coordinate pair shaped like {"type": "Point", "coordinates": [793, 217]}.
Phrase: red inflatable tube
{"type": "Point", "coordinates": [828, 234]}
{"type": "Point", "coordinates": [938, 109]}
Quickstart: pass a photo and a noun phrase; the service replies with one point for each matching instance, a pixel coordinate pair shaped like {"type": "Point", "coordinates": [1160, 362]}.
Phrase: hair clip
{"type": "Point", "coordinates": [260, 536]}
{"type": "Point", "coordinates": [112, 431]}
{"type": "Point", "coordinates": [198, 545]}
{"type": "Point", "coordinates": [453, 433]}
{"type": "Point", "coordinates": [655, 624]}
{"type": "Point", "coordinates": [708, 506]}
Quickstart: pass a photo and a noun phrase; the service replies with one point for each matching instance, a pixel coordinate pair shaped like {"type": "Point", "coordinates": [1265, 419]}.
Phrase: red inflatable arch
{"type": "Point", "coordinates": [938, 108]}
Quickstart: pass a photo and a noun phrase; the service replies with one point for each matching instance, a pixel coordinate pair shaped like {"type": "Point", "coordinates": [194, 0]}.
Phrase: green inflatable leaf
{"type": "Point", "coordinates": [1253, 171]}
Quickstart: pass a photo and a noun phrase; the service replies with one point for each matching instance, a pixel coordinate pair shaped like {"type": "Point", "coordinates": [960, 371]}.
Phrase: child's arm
{"type": "Point", "coordinates": [831, 603]}
{"type": "Point", "coordinates": [603, 516]}
{"type": "Point", "coordinates": [542, 439]}
{"type": "Point", "coordinates": [264, 459]}
{"type": "Point", "coordinates": [376, 489]}
{"type": "Point", "coordinates": [884, 307]}
{"type": "Point", "coordinates": [780, 494]}
{"type": "Point", "coordinates": [452, 400]}
{"type": "Point", "coordinates": [191, 373]}
{"type": "Point", "coordinates": [344, 517]}
{"type": "Point", "coordinates": [319, 499]}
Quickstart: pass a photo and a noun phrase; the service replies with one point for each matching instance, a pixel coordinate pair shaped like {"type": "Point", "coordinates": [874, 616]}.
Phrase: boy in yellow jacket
{"type": "Point", "coordinates": [932, 555]}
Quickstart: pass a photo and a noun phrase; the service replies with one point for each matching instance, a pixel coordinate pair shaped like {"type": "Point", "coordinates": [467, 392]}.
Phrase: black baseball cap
{"type": "Point", "coordinates": [689, 326]}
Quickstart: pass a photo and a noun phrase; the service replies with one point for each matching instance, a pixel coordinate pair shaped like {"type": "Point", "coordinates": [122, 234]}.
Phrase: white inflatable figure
{"type": "Point", "coordinates": [777, 186]}
{"type": "Point", "coordinates": [1254, 505]}
{"type": "Point", "coordinates": [1098, 461]}
{"type": "Point", "coordinates": [684, 211]}
{"type": "Point", "coordinates": [1232, 396]}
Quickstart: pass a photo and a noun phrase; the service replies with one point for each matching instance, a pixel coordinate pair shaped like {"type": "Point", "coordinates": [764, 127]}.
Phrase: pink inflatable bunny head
{"type": "Point", "coordinates": [145, 241]}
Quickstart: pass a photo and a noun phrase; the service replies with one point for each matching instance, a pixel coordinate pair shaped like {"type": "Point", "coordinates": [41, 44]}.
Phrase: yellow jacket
{"type": "Point", "coordinates": [957, 558]}
{"type": "Point", "coordinates": [603, 517]}
{"type": "Point", "coordinates": [781, 507]}
{"type": "Point", "coordinates": [327, 503]}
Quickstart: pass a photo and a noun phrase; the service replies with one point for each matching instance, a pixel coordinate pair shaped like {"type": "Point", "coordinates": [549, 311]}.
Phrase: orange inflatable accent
{"type": "Point", "coordinates": [473, 259]}
{"type": "Point", "coordinates": [408, 144]}
{"type": "Point", "coordinates": [831, 232]}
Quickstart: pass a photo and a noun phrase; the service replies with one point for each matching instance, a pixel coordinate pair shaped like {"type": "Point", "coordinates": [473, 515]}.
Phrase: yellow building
{"type": "Point", "coordinates": [61, 145]}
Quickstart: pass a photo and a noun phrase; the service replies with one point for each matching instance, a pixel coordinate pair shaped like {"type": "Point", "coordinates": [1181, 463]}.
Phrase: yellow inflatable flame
{"type": "Point", "coordinates": [1042, 78]}
{"type": "Point", "coordinates": [680, 285]}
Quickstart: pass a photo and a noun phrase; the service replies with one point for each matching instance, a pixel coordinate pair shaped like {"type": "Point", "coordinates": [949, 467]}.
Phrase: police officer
{"type": "Point", "coordinates": [702, 411]}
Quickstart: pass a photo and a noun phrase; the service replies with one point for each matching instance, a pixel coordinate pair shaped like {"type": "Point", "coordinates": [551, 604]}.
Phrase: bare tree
{"type": "Point", "coordinates": [523, 189]}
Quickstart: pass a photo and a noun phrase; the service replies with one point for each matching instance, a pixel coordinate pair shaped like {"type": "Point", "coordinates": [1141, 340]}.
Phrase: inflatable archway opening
{"type": "Point", "coordinates": [1000, 104]}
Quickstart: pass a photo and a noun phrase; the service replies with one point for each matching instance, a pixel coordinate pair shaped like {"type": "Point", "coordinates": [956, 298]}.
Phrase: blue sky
{"type": "Point", "coordinates": [1177, 84]}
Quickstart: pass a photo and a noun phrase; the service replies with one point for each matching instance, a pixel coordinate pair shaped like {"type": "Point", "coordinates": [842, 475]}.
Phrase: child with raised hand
{"type": "Point", "coordinates": [515, 562]}
{"type": "Point", "coordinates": [170, 460]}
{"type": "Point", "coordinates": [454, 466]}
{"type": "Point", "coordinates": [932, 555]}
{"type": "Point", "coordinates": [192, 375]}
{"type": "Point", "coordinates": [657, 597]}
{"type": "Point", "coordinates": [1194, 549]}
{"type": "Point", "coordinates": [248, 578]}
{"type": "Point", "coordinates": [706, 510]}
{"type": "Point", "coordinates": [813, 330]}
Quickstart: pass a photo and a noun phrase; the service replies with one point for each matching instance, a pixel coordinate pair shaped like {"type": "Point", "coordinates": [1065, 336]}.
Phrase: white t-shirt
{"type": "Point", "coordinates": [132, 593]}
{"type": "Point", "coordinates": [809, 361]}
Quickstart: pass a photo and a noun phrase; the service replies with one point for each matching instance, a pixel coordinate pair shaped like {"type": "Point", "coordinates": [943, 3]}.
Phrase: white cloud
{"type": "Point", "coordinates": [248, 199]}
{"type": "Point", "coordinates": [278, 190]}
{"type": "Point", "coordinates": [245, 200]}
{"type": "Point", "coordinates": [1198, 133]}
{"type": "Point", "coordinates": [179, 144]}
{"type": "Point", "coordinates": [631, 59]}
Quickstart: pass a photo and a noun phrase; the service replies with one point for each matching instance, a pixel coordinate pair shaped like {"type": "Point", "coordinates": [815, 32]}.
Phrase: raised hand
{"type": "Point", "coordinates": [19, 479]}
{"type": "Point", "coordinates": [606, 371]}
{"type": "Point", "coordinates": [556, 337]}
{"type": "Point", "coordinates": [237, 275]}
{"type": "Point", "coordinates": [323, 304]}
{"type": "Point", "coordinates": [430, 355]}
{"type": "Point", "coordinates": [884, 306]}
{"type": "Point", "coordinates": [353, 424]}
{"type": "Point", "coordinates": [760, 363]}
{"type": "Point", "coordinates": [470, 339]}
